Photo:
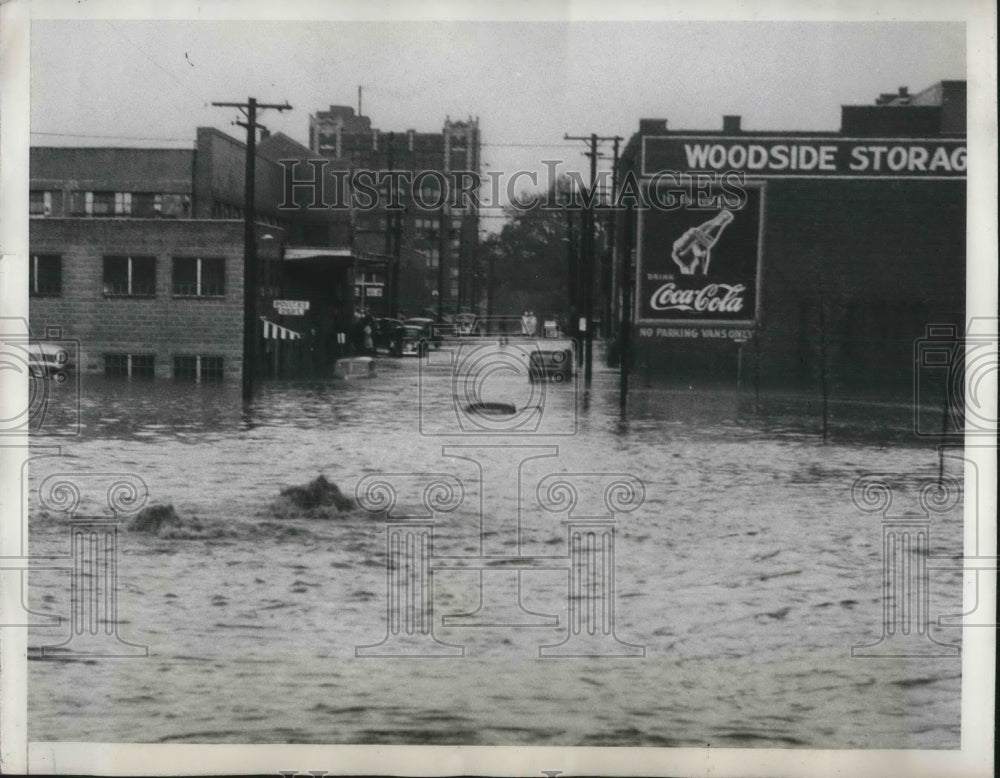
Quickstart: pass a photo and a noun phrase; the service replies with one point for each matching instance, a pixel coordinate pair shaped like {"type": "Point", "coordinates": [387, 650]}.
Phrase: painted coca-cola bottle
{"type": "Point", "coordinates": [692, 252]}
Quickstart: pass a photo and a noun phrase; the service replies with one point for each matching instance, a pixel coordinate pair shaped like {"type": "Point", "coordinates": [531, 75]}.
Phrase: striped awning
{"type": "Point", "coordinates": [274, 331]}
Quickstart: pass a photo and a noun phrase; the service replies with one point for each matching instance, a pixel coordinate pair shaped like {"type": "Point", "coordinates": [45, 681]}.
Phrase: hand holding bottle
{"type": "Point", "coordinates": [692, 251]}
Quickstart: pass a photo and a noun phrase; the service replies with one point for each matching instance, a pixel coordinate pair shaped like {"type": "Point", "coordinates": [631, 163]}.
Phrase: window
{"type": "Point", "coordinates": [198, 368]}
{"type": "Point", "coordinates": [129, 365]}
{"type": "Point", "coordinates": [99, 203]}
{"type": "Point", "coordinates": [197, 277]}
{"type": "Point", "coordinates": [211, 368]}
{"type": "Point", "coordinates": [40, 203]}
{"type": "Point", "coordinates": [427, 228]}
{"type": "Point", "coordinates": [78, 203]}
{"type": "Point", "coordinates": [46, 275]}
{"type": "Point", "coordinates": [433, 258]}
{"type": "Point", "coordinates": [186, 368]}
{"type": "Point", "coordinates": [146, 204]}
{"type": "Point", "coordinates": [116, 365]}
{"type": "Point", "coordinates": [130, 276]}
{"type": "Point", "coordinates": [123, 203]}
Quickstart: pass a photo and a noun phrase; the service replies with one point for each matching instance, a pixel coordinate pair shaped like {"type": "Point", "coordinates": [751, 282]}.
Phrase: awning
{"type": "Point", "coordinates": [274, 331]}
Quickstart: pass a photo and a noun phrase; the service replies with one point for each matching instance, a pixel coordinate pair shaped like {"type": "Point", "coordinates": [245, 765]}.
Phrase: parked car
{"type": "Point", "coordinates": [389, 335]}
{"type": "Point", "coordinates": [464, 323]}
{"type": "Point", "coordinates": [429, 329]}
{"type": "Point", "coordinates": [500, 325]}
{"type": "Point", "coordinates": [415, 340]}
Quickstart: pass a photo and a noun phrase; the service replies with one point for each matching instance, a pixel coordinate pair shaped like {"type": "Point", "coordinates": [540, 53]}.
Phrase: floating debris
{"type": "Point", "coordinates": [155, 517]}
{"type": "Point", "coordinates": [317, 499]}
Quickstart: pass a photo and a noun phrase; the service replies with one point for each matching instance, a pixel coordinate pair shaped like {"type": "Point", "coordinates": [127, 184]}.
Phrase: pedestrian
{"type": "Point", "coordinates": [369, 342]}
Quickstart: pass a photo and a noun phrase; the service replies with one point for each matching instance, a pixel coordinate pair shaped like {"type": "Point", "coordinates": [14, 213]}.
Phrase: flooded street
{"type": "Point", "coordinates": [741, 582]}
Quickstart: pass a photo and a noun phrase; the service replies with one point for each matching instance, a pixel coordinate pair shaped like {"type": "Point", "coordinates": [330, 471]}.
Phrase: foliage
{"type": "Point", "coordinates": [530, 256]}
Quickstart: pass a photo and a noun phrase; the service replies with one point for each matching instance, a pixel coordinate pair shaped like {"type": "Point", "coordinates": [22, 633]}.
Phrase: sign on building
{"type": "Point", "coordinates": [291, 307]}
{"type": "Point", "coordinates": [700, 266]}
{"type": "Point", "coordinates": [806, 157]}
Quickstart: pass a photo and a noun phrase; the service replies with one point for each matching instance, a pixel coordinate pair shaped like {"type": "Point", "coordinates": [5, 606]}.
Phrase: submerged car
{"type": "Point", "coordinates": [464, 323]}
{"type": "Point", "coordinates": [388, 336]}
{"type": "Point", "coordinates": [414, 341]}
{"type": "Point", "coordinates": [430, 330]}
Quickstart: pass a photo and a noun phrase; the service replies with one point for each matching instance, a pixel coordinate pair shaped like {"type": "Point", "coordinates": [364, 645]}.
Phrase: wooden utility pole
{"type": "Point", "coordinates": [390, 281]}
{"type": "Point", "coordinates": [249, 110]}
{"type": "Point", "coordinates": [442, 221]}
{"type": "Point", "coordinates": [610, 290]}
{"type": "Point", "coordinates": [625, 325]}
{"type": "Point", "coordinates": [588, 250]}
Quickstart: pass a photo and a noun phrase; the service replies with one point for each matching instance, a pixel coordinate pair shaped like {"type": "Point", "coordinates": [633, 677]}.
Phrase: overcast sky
{"type": "Point", "coordinates": [151, 82]}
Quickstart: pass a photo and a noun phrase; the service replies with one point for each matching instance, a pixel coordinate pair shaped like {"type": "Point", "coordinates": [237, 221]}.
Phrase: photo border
{"type": "Point", "coordinates": [18, 755]}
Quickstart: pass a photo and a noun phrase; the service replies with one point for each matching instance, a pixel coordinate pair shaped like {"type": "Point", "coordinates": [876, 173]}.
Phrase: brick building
{"type": "Point", "coordinates": [144, 297]}
{"type": "Point", "coordinates": [802, 259]}
{"type": "Point", "coordinates": [138, 254]}
{"type": "Point", "coordinates": [437, 247]}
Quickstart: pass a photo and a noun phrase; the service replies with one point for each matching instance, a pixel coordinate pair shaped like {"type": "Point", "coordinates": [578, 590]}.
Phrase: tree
{"type": "Point", "coordinates": [531, 271]}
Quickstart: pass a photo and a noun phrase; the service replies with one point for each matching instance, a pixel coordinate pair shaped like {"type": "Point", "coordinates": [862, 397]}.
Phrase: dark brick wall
{"type": "Point", "coordinates": [165, 326]}
{"type": "Point", "coordinates": [112, 169]}
{"type": "Point", "coordinates": [852, 273]}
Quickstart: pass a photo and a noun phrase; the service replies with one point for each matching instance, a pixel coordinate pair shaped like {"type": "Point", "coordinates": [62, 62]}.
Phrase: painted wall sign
{"type": "Point", "coordinates": [291, 307]}
{"type": "Point", "coordinates": [806, 157]}
{"type": "Point", "coordinates": [701, 266]}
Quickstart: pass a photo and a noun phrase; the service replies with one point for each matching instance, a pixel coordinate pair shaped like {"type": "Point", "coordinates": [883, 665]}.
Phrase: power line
{"type": "Point", "coordinates": [156, 64]}
{"type": "Point", "coordinates": [530, 145]}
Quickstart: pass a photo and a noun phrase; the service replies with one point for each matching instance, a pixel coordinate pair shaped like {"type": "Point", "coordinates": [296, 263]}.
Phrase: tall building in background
{"type": "Point", "coordinates": [436, 248]}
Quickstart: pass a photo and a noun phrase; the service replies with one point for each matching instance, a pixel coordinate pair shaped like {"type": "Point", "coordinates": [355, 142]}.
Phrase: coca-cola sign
{"type": "Point", "coordinates": [722, 298]}
{"type": "Point", "coordinates": [701, 265]}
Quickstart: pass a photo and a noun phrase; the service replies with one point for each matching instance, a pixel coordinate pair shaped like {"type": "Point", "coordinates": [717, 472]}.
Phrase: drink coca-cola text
{"type": "Point", "coordinates": [711, 298]}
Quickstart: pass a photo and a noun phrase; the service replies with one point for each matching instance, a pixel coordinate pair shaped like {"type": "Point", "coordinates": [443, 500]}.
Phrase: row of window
{"type": "Point", "coordinates": [198, 368]}
{"type": "Point", "coordinates": [137, 204]}
{"type": "Point", "coordinates": [126, 276]}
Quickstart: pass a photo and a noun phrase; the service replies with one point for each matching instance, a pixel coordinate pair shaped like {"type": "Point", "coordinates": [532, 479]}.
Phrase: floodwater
{"type": "Point", "coordinates": [738, 586]}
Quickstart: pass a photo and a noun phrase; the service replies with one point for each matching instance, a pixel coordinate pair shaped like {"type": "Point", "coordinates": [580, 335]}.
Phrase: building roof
{"type": "Point", "coordinates": [99, 168]}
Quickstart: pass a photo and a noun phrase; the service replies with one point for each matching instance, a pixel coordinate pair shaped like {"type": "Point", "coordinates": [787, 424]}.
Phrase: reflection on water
{"type": "Point", "coordinates": [746, 575]}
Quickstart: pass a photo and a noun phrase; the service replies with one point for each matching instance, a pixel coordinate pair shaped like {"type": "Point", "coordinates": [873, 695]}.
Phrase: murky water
{"type": "Point", "coordinates": [746, 576]}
